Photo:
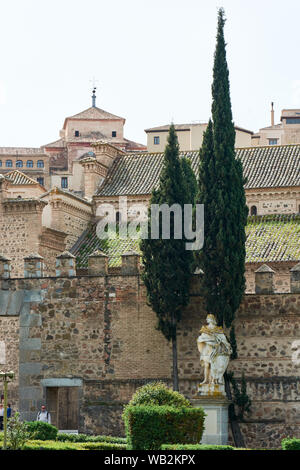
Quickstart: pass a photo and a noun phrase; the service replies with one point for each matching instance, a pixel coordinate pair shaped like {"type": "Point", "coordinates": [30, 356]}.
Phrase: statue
{"type": "Point", "coordinates": [215, 351]}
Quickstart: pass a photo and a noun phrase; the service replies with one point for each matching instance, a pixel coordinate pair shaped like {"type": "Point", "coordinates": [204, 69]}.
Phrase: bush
{"type": "Point", "coordinates": [62, 437]}
{"type": "Point", "coordinates": [157, 393]}
{"type": "Point", "coordinates": [195, 447]}
{"type": "Point", "coordinates": [102, 446]}
{"type": "Point", "coordinates": [55, 445]}
{"type": "Point", "coordinates": [148, 427]}
{"type": "Point", "coordinates": [290, 443]}
{"type": "Point", "coordinates": [18, 432]}
{"type": "Point", "coordinates": [42, 431]}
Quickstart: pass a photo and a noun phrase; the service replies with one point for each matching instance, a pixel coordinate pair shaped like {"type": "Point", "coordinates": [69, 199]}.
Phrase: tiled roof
{"type": "Point", "coordinates": [88, 243]}
{"type": "Point", "coordinates": [273, 238]}
{"type": "Point", "coordinates": [269, 238]}
{"type": "Point", "coordinates": [17, 177]}
{"type": "Point", "coordinates": [93, 113]}
{"type": "Point", "coordinates": [20, 150]}
{"type": "Point", "coordinates": [264, 167]}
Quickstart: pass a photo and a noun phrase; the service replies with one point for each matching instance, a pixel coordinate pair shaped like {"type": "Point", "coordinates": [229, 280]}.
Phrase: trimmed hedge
{"type": "Point", "coordinates": [148, 427]}
{"type": "Point", "coordinates": [55, 445]}
{"type": "Point", "coordinates": [195, 447]}
{"type": "Point", "coordinates": [42, 431]}
{"type": "Point", "coordinates": [290, 443]}
{"type": "Point", "coordinates": [157, 393]}
{"type": "Point", "coordinates": [63, 437]}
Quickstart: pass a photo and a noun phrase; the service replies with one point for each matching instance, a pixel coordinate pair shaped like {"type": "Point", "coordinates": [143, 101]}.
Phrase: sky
{"type": "Point", "coordinates": [152, 61]}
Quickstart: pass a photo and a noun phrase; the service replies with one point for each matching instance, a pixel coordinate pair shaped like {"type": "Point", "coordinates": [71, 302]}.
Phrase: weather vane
{"type": "Point", "coordinates": [94, 92]}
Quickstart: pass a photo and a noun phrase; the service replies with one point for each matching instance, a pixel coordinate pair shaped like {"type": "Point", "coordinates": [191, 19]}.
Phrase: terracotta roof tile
{"type": "Point", "coordinates": [264, 167]}
{"type": "Point", "coordinates": [269, 238]}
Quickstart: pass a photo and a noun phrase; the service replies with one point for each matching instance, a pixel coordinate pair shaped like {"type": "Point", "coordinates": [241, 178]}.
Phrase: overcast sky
{"type": "Point", "coordinates": [152, 59]}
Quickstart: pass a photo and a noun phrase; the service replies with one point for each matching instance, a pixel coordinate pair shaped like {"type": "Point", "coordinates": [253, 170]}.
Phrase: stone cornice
{"type": "Point", "coordinates": [23, 205]}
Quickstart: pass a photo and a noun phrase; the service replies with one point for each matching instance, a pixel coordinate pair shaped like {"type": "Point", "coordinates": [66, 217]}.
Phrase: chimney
{"type": "Point", "coordinates": [272, 114]}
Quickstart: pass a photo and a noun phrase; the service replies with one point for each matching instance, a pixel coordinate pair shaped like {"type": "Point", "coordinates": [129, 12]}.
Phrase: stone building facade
{"type": "Point", "coordinates": [90, 341]}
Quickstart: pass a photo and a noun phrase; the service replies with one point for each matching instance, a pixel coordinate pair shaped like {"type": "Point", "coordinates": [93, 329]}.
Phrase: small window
{"type": "Point", "coordinates": [76, 134]}
{"type": "Point", "coordinates": [40, 164]}
{"type": "Point", "coordinates": [273, 141]}
{"type": "Point", "coordinates": [29, 164]}
{"type": "Point", "coordinates": [8, 163]}
{"type": "Point", "coordinates": [40, 180]}
{"type": "Point", "coordinates": [64, 182]}
{"type": "Point", "coordinates": [253, 210]}
{"type": "Point", "coordinates": [156, 140]}
{"type": "Point", "coordinates": [114, 134]}
{"type": "Point", "coordinates": [19, 164]}
{"type": "Point", "coordinates": [292, 120]}
{"type": "Point", "coordinates": [118, 217]}
{"type": "Point", "coordinates": [0, 162]}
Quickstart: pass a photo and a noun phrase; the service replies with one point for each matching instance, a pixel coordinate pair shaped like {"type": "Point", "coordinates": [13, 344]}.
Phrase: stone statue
{"type": "Point", "coordinates": [214, 351]}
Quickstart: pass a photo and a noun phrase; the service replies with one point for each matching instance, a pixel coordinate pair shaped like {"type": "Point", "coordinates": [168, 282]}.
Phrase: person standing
{"type": "Point", "coordinates": [1, 417]}
{"type": "Point", "coordinates": [8, 411]}
{"type": "Point", "coordinates": [44, 415]}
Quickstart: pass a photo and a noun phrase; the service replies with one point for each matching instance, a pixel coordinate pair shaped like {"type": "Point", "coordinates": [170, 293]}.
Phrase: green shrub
{"type": "Point", "coordinates": [148, 427]}
{"type": "Point", "coordinates": [290, 443]}
{"type": "Point", "coordinates": [42, 431]}
{"type": "Point", "coordinates": [102, 446]}
{"type": "Point", "coordinates": [157, 393]}
{"type": "Point", "coordinates": [55, 445]}
{"type": "Point", "coordinates": [62, 437]}
{"type": "Point", "coordinates": [18, 432]}
{"type": "Point", "coordinates": [51, 445]}
{"type": "Point", "coordinates": [195, 447]}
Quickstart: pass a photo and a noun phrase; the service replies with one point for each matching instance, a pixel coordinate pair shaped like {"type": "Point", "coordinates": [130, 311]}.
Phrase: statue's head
{"type": "Point", "coordinates": [211, 319]}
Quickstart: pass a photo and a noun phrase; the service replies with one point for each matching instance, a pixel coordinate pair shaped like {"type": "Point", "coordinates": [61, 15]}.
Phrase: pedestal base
{"type": "Point", "coordinates": [216, 419]}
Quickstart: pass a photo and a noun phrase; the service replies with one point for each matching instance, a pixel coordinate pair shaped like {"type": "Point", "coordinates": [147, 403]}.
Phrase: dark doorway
{"type": "Point", "coordinates": [62, 403]}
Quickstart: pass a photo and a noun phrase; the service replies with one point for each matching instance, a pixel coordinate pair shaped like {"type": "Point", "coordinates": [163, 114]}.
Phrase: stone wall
{"type": "Point", "coordinates": [98, 330]}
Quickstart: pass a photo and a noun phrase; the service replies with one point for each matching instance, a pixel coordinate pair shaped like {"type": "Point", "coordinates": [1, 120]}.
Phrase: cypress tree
{"type": "Point", "coordinates": [221, 190]}
{"type": "Point", "coordinates": [167, 264]}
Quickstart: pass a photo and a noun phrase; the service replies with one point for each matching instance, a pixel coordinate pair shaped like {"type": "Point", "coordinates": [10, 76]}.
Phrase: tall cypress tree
{"type": "Point", "coordinates": [221, 190]}
{"type": "Point", "coordinates": [167, 264]}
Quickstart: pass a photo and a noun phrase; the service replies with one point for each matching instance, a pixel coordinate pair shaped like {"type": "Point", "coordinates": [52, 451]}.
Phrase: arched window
{"type": "Point", "coordinates": [118, 217]}
{"type": "Point", "coordinates": [29, 164]}
{"type": "Point", "coordinates": [19, 164]}
{"type": "Point", "coordinates": [40, 164]}
{"type": "Point", "coordinates": [8, 163]}
{"type": "Point", "coordinates": [253, 210]}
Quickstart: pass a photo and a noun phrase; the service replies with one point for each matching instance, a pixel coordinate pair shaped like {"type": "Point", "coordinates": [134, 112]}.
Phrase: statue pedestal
{"type": "Point", "coordinates": [216, 419]}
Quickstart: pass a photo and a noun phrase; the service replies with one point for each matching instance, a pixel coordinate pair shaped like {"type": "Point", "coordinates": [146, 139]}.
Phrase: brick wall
{"type": "Point", "coordinates": [99, 329]}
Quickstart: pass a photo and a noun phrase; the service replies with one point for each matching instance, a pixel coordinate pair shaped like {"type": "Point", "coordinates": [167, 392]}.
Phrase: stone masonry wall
{"type": "Point", "coordinates": [99, 330]}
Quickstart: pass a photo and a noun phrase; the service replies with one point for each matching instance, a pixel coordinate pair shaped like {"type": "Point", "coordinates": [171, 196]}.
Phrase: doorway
{"type": "Point", "coordinates": [63, 405]}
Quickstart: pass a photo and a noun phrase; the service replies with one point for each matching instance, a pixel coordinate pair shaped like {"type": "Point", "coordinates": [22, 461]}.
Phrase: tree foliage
{"type": "Point", "coordinates": [221, 190]}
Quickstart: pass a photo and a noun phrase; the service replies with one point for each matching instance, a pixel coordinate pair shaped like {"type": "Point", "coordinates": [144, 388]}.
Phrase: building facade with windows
{"type": "Point", "coordinates": [190, 137]}
{"type": "Point", "coordinates": [286, 132]}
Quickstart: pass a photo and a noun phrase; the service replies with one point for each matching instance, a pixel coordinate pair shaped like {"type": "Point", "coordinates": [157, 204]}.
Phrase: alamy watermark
{"type": "Point", "coordinates": [166, 222]}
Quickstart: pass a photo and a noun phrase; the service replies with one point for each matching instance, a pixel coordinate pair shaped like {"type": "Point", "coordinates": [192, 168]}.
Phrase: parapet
{"type": "Point", "coordinates": [33, 266]}
{"type": "Point", "coordinates": [4, 267]}
{"type": "Point", "coordinates": [65, 265]}
{"type": "Point", "coordinates": [98, 263]}
{"type": "Point", "coordinates": [130, 263]}
{"type": "Point", "coordinates": [295, 279]}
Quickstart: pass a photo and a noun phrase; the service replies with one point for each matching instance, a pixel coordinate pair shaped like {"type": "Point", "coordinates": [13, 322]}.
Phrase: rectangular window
{"type": "Point", "coordinates": [273, 141]}
{"type": "Point", "coordinates": [76, 133]}
{"type": "Point", "coordinates": [114, 134]}
{"type": "Point", "coordinates": [64, 182]}
{"type": "Point", "coordinates": [292, 120]}
{"type": "Point", "coordinates": [156, 140]}
{"type": "Point", "coordinates": [40, 180]}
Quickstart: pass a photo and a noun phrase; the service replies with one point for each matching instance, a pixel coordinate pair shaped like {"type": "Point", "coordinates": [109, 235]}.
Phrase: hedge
{"type": "Point", "coordinates": [195, 447]}
{"type": "Point", "coordinates": [63, 437]}
{"type": "Point", "coordinates": [55, 445]}
{"type": "Point", "coordinates": [148, 427]}
{"type": "Point", "coordinates": [42, 431]}
{"type": "Point", "coordinates": [290, 443]}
